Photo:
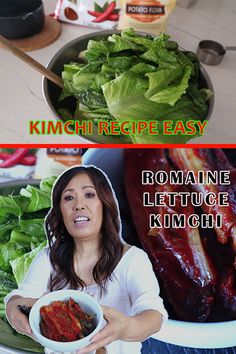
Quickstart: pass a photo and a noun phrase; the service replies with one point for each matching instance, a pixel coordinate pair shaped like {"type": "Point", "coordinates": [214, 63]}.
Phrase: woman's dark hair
{"type": "Point", "coordinates": [62, 245]}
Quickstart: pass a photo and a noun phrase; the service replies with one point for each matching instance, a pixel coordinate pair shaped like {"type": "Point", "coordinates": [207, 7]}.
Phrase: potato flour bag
{"type": "Point", "coordinates": [147, 16]}
{"type": "Point", "coordinates": [100, 13]}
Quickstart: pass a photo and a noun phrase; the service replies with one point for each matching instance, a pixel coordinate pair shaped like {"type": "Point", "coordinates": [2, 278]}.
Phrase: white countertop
{"type": "Point", "coordinates": [21, 97]}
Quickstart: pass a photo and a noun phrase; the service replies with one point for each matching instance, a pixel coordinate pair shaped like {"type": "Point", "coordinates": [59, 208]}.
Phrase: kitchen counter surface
{"type": "Point", "coordinates": [21, 97]}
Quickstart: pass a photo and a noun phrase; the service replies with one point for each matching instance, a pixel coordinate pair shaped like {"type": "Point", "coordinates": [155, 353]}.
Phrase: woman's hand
{"type": "Point", "coordinates": [119, 326]}
{"type": "Point", "coordinates": [17, 319]}
{"type": "Point", "coordinates": [116, 328]}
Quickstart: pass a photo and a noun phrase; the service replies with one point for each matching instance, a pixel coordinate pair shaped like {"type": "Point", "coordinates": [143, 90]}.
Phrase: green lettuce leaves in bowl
{"type": "Point", "coordinates": [130, 77]}
{"type": "Point", "coordinates": [23, 208]}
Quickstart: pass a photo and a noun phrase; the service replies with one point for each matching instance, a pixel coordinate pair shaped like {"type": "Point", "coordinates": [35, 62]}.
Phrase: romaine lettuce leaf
{"type": "Point", "coordinates": [7, 283]}
{"type": "Point", "coordinates": [130, 34]}
{"type": "Point", "coordinates": [10, 205]}
{"type": "Point", "coordinates": [46, 184]}
{"type": "Point", "coordinates": [21, 231]}
{"type": "Point", "coordinates": [143, 68]}
{"type": "Point", "coordinates": [161, 79]}
{"type": "Point", "coordinates": [121, 64]}
{"type": "Point", "coordinates": [9, 251]}
{"type": "Point", "coordinates": [171, 93]}
{"type": "Point", "coordinates": [37, 199]}
{"type": "Point", "coordinates": [20, 265]}
{"type": "Point", "coordinates": [33, 227]}
{"type": "Point", "coordinates": [125, 97]}
{"type": "Point", "coordinates": [5, 230]}
{"type": "Point", "coordinates": [7, 337]}
{"type": "Point", "coordinates": [20, 238]}
{"type": "Point", "coordinates": [122, 43]}
{"type": "Point", "coordinates": [98, 49]}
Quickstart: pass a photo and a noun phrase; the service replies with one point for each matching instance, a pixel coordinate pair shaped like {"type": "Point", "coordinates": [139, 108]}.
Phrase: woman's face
{"type": "Point", "coordinates": [81, 209]}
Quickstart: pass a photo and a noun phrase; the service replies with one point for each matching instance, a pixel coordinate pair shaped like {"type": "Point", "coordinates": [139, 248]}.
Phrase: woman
{"type": "Point", "coordinates": [86, 252]}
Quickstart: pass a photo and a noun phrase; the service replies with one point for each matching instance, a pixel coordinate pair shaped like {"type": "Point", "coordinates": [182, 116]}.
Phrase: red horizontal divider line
{"type": "Point", "coordinates": [116, 146]}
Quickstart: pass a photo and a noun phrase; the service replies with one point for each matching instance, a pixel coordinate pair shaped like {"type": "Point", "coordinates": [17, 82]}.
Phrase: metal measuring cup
{"type": "Point", "coordinates": [211, 52]}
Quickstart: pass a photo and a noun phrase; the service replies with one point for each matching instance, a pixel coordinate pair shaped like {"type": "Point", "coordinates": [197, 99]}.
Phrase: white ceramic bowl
{"type": "Point", "coordinates": [87, 303]}
{"type": "Point", "coordinates": [181, 333]}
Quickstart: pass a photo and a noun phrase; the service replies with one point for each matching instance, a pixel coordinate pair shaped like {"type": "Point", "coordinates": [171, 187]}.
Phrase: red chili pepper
{"type": "Point", "coordinates": [29, 160]}
{"type": "Point", "coordinates": [4, 155]}
{"type": "Point", "coordinates": [94, 13]}
{"type": "Point", "coordinates": [104, 15]}
{"type": "Point", "coordinates": [112, 17]}
{"type": "Point", "coordinates": [14, 158]}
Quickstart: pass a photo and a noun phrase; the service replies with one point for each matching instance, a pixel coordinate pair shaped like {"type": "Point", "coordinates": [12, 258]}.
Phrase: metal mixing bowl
{"type": "Point", "coordinates": [70, 53]}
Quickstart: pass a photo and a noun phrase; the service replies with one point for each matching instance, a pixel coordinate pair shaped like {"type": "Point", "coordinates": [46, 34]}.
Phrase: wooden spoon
{"type": "Point", "coordinates": [30, 61]}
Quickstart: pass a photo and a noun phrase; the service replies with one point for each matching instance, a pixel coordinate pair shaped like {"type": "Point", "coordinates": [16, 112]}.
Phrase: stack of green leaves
{"type": "Point", "coordinates": [129, 77]}
{"type": "Point", "coordinates": [22, 236]}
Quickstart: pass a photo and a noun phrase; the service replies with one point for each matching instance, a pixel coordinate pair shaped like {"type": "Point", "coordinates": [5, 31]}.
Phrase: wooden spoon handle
{"type": "Point", "coordinates": [33, 63]}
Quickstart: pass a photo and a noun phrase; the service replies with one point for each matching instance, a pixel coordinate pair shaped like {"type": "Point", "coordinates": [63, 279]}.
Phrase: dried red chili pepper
{"type": "Point", "coordinates": [104, 15]}
{"type": "Point", "coordinates": [200, 159]}
{"type": "Point", "coordinates": [14, 158]}
{"type": "Point", "coordinates": [171, 251]}
{"type": "Point", "coordinates": [223, 255]}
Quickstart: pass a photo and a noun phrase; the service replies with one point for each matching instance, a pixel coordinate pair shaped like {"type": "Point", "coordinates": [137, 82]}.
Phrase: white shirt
{"type": "Point", "coordinates": [132, 289]}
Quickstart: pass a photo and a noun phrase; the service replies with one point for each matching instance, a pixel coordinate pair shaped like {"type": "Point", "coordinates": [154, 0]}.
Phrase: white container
{"type": "Point", "coordinates": [88, 304]}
